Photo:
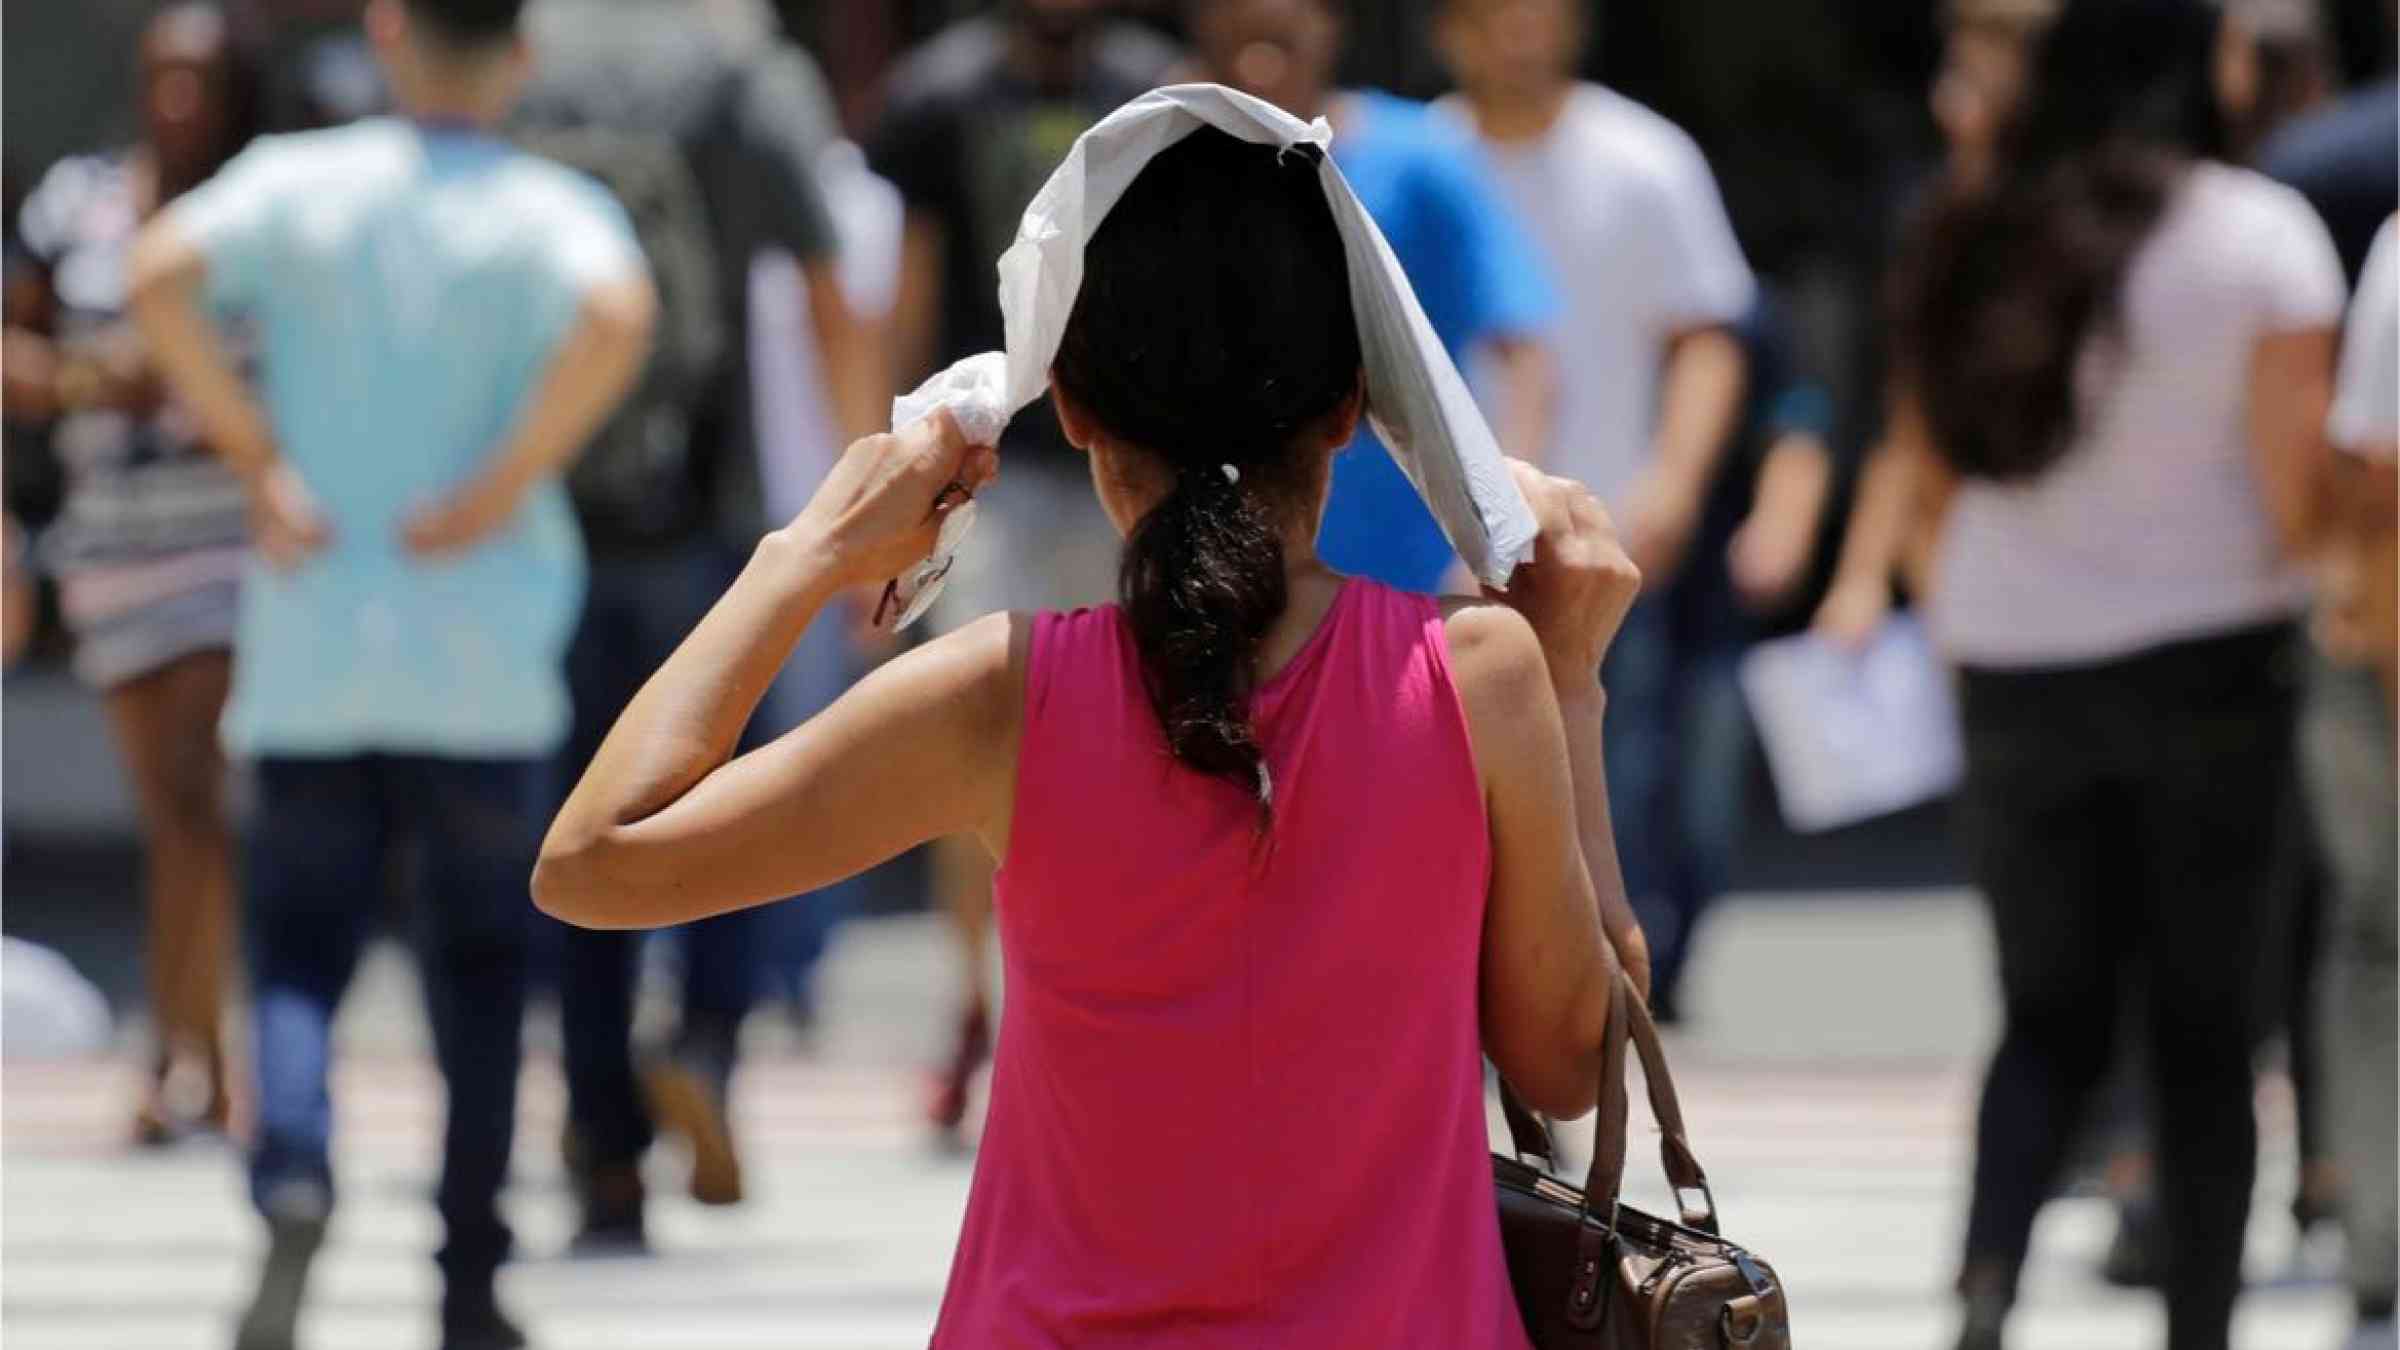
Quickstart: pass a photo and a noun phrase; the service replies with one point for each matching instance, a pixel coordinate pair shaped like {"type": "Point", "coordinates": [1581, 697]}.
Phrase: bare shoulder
{"type": "Point", "coordinates": [1503, 680]}
{"type": "Point", "coordinates": [980, 666]}
{"type": "Point", "coordinates": [1490, 643]}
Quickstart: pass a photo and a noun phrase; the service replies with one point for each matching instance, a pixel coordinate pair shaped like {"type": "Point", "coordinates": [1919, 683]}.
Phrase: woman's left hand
{"type": "Point", "coordinates": [880, 509]}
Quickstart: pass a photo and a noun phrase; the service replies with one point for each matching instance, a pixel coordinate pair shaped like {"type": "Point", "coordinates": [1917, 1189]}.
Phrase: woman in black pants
{"type": "Point", "coordinates": [2119, 348]}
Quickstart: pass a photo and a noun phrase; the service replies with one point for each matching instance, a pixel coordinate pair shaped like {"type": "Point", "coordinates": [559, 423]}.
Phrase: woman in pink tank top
{"type": "Point", "coordinates": [1282, 855]}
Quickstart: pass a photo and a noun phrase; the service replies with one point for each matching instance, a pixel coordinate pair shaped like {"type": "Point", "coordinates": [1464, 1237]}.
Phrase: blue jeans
{"type": "Point", "coordinates": [321, 847]}
{"type": "Point", "coordinates": [823, 666]}
{"type": "Point", "coordinates": [640, 607]}
{"type": "Point", "coordinates": [1676, 741]}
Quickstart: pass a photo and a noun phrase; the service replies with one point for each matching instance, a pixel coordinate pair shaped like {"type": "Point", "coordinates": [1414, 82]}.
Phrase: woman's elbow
{"type": "Point", "coordinates": [1567, 1092]}
{"type": "Point", "coordinates": [572, 883]}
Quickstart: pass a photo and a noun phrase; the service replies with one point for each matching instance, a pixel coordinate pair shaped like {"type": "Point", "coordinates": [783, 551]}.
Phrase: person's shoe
{"type": "Point", "coordinates": [1981, 1322]}
{"type": "Point", "coordinates": [688, 1098]}
{"type": "Point", "coordinates": [473, 1321]}
{"type": "Point", "coordinates": [295, 1230]}
{"type": "Point", "coordinates": [152, 1128]}
{"type": "Point", "coordinates": [613, 1201]}
{"type": "Point", "coordinates": [2318, 1199]}
{"type": "Point", "coordinates": [949, 1109]}
{"type": "Point", "coordinates": [2133, 1261]}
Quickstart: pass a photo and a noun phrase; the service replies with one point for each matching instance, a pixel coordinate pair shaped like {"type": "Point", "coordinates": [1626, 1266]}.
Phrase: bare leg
{"type": "Point", "coordinates": [166, 731]}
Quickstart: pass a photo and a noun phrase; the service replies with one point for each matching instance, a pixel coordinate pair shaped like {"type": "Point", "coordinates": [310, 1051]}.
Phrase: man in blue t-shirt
{"type": "Point", "coordinates": [441, 321]}
{"type": "Point", "coordinates": [1478, 276]}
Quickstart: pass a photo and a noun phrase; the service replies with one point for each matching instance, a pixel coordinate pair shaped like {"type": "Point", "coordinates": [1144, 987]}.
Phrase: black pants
{"type": "Point", "coordinates": [2123, 816]}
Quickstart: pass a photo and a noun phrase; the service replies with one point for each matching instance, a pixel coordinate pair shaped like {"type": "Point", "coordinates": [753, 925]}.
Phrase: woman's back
{"type": "Point", "coordinates": [2153, 526]}
{"type": "Point", "coordinates": [1238, 1097]}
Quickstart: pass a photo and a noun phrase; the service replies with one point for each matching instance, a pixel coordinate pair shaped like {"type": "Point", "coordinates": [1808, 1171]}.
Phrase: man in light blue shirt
{"type": "Point", "coordinates": [441, 321]}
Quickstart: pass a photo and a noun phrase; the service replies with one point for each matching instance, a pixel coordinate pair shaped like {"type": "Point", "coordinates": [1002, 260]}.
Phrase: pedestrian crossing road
{"type": "Point", "coordinates": [1846, 1171]}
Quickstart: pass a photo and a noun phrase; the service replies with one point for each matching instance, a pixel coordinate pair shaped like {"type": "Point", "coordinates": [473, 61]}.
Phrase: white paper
{"type": "Point", "coordinates": [1850, 735]}
{"type": "Point", "coordinates": [1416, 400]}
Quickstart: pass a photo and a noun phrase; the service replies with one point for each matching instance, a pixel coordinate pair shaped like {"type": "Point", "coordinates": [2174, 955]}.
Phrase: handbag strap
{"type": "Point", "coordinates": [1629, 1023]}
{"type": "Point", "coordinates": [1527, 1134]}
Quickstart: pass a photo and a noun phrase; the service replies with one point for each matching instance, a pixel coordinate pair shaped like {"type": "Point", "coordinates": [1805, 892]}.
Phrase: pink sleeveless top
{"type": "Point", "coordinates": [1238, 1099]}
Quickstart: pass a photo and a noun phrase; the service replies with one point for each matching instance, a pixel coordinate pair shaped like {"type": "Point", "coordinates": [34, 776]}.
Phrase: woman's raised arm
{"type": "Point", "coordinates": [664, 827]}
{"type": "Point", "coordinates": [1556, 924]}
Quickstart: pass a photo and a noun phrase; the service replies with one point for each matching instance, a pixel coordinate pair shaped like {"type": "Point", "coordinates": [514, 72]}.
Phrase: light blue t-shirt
{"type": "Point", "coordinates": [407, 285]}
{"type": "Point", "coordinates": [1478, 276]}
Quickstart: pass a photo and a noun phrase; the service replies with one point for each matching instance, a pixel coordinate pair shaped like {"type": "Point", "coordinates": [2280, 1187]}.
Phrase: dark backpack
{"type": "Point", "coordinates": [637, 480]}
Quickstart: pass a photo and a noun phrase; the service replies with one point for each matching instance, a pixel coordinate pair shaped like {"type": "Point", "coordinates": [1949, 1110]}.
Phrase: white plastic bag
{"type": "Point", "coordinates": [1416, 399]}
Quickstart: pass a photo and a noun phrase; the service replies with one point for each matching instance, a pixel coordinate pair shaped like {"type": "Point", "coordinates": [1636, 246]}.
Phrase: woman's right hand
{"type": "Point", "coordinates": [286, 525]}
{"type": "Point", "coordinates": [880, 510]}
{"type": "Point", "coordinates": [1852, 611]}
{"type": "Point", "coordinates": [1576, 590]}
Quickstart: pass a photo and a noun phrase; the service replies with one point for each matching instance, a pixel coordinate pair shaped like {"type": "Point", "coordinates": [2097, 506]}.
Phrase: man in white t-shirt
{"type": "Point", "coordinates": [1651, 386]}
{"type": "Point", "coordinates": [2347, 751]}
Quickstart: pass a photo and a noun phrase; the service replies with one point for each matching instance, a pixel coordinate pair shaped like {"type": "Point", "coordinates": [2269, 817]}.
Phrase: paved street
{"type": "Point", "coordinates": [1828, 1079]}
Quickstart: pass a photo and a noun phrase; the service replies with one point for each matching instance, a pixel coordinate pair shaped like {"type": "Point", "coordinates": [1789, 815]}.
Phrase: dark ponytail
{"type": "Point", "coordinates": [1213, 329]}
{"type": "Point", "coordinates": [2007, 282]}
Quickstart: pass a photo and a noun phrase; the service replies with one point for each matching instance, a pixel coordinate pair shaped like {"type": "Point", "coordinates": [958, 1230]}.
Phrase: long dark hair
{"type": "Point", "coordinates": [2009, 280]}
{"type": "Point", "coordinates": [1213, 328]}
{"type": "Point", "coordinates": [239, 95]}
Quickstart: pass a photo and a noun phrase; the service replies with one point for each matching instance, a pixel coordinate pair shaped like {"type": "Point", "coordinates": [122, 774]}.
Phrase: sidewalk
{"type": "Point", "coordinates": [1828, 1077]}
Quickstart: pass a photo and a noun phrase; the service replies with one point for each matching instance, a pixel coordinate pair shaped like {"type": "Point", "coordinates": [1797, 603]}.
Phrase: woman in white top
{"type": "Point", "coordinates": [2121, 349]}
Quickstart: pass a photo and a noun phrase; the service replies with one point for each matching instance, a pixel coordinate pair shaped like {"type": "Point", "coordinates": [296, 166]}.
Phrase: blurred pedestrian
{"type": "Point", "coordinates": [712, 146]}
{"type": "Point", "coordinates": [397, 679]}
{"type": "Point", "coordinates": [2278, 67]}
{"type": "Point", "coordinates": [149, 542]}
{"type": "Point", "coordinates": [1275, 838]}
{"type": "Point", "coordinates": [2272, 65]}
{"type": "Point", "coordinates": [2345, 158]}
{"type": "Point", "coordinates": [2348, 749]}
{"type": "Point", "coordinates": [1482, 281]}
{"type": "Point", "coordinates": [799, 438]}
{"type": "Point", "coordinates": [18, 601]}
{"type": "Point", "coordinates": [2119, 345]}
{"type": "Point", "coordinates": [1653, 287]}
{"type": "Point", "coordinates": [1898, 509]}
{"type": "Point", "coordinates": [974, 121]}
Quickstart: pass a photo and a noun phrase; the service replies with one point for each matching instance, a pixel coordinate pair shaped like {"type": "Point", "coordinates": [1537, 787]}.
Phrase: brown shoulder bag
{"type": "Point", "coordinates": [1593, 1274]}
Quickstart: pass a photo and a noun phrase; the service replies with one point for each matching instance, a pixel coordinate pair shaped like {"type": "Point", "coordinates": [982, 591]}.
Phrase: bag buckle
{"type": "Point", "coordinates": [1752, 1273]}
{"type": "Point", "coordinates": [1595, 1256]}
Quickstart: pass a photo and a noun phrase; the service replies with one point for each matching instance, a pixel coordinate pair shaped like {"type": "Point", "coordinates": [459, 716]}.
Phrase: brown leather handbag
{"type": "Point", "coordinates": [1593, 1274]}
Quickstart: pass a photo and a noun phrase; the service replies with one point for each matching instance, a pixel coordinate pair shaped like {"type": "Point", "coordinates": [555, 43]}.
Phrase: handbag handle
{"type": "Point", "coordinates": [1628, 1024]}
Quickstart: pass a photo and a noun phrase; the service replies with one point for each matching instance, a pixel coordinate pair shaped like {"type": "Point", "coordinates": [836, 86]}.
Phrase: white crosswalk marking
{"type": "Point", "coordinates": [1847, 1174]}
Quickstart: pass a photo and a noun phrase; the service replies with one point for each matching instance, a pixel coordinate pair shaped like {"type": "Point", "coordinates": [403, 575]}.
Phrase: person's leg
{"type": "Point", "coordinates": [690, 1087]}
{"type": "Point", "coordinates": [1639, 675]}
{"type": "Point", "coordinates": [165, 726]}
{"type": "Point", "coordinates": [1712, 754]}
{"type": "Point", "coordinates": [608, 1130]}
{"type": "Point", "coordinates": [2348, 742]}
{"type": "Point", "coordinates": [2220, 735]}
{"type": "Point", "coordinates": [315, 871]}
{"type": "Point", "coordinates": [964, 873]}
{"type": "Point", "coordinates": [2301, 888]}
{"type": "Point", "coordinates": [481, 823]}
{"type": "Point", "coordinates": [2043, 831]}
